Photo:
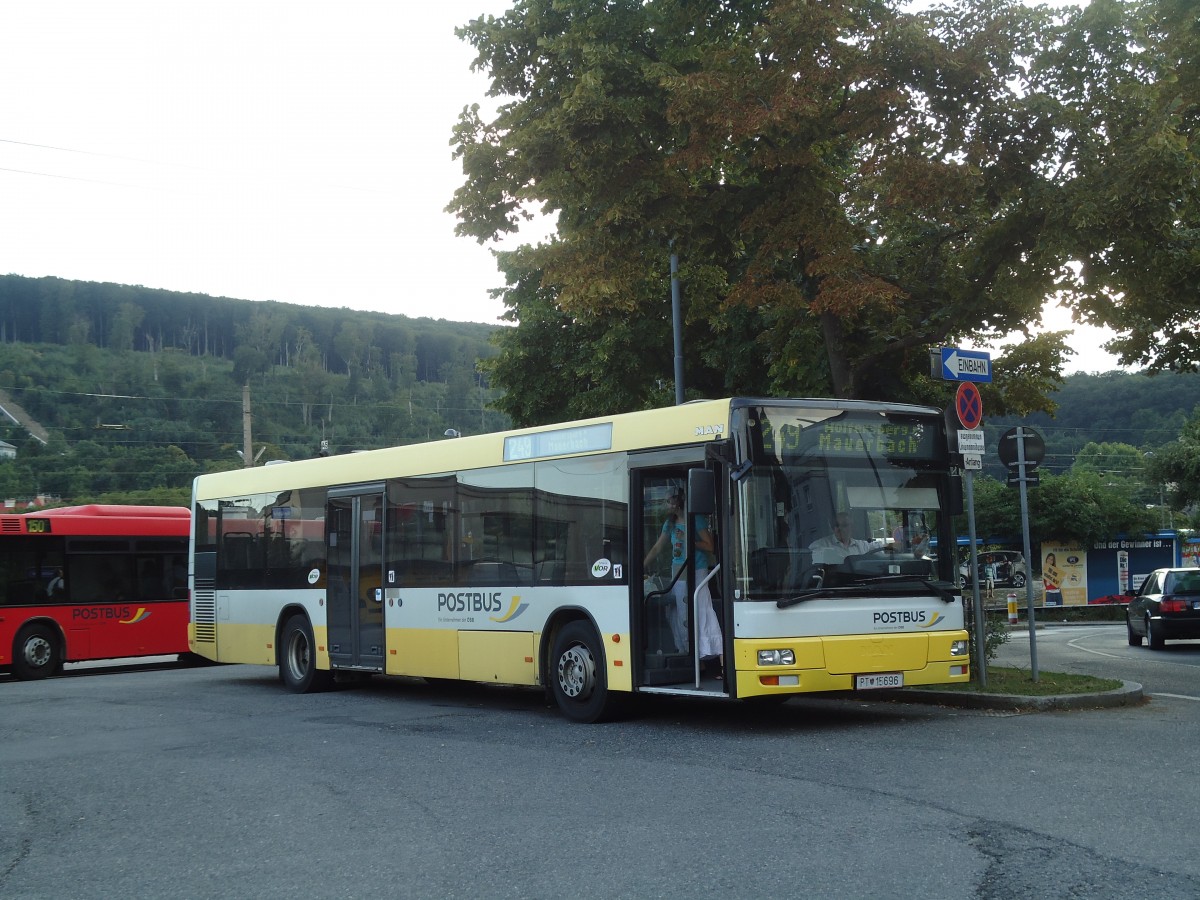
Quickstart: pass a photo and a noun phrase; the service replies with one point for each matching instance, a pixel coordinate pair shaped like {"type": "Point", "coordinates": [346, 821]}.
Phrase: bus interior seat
{"type": "Point", "coordinates": [490, 571]}
{"type": "Point", "coordinates": [420, 572]}
{"type": "Point", "coordinates": [238, 551]}
{"type": "Point", "coordinates": [550, 571]}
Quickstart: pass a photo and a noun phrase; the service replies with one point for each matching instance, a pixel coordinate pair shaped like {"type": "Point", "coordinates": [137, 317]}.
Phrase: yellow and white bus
{"type": "Point", "coordinates": [522, 557]}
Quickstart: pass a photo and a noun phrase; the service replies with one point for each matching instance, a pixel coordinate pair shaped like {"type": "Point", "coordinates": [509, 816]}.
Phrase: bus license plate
{"type": "Point", "coordinates": [875, 682]}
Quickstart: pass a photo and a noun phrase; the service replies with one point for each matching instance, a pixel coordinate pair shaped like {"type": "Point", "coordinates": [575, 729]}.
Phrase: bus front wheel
{"type": "Point", "coordinates": [578, 679]}
{"type": "Point", "coordinates": [37, 653]}
{"type": "Point", "coordinates": [298, 658]}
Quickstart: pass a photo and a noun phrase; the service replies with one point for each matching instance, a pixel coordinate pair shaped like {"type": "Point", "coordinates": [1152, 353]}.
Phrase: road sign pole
{"type": "Point", "coordinates": [1033, 665]}
{"type": "Point", "coordinates": [968, 405]}
{"type": "Point", "coordinates": [977, 604]}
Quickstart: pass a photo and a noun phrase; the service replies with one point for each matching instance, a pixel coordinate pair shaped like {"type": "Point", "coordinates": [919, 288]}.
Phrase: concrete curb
{"type": "Point", "coordinates": [1129, 694]}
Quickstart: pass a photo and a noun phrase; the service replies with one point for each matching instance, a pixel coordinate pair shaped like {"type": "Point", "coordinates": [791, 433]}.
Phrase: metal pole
{"type": "Point", "coordinates": [696, 620]}
{"type": "Point", "coordinates": [677, 327]}
{"type": "Point", "coordinates": [247, 441]}
{"type": "Point", "coordinates": [980, 625]}
{"type": "Point", "coordinates": [1033, 665]}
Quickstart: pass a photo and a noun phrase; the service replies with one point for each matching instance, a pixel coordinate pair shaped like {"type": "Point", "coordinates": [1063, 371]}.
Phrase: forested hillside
{"type": "Point", "coordinates": [139, 390]}
{"type": "Point", "coordinates": [255, 335]}
{"type": "Point", "coordinates": [1144, 411]}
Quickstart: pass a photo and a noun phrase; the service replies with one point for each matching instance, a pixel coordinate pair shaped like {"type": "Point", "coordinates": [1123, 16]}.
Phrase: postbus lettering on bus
{"type": "Point", "coordinates": [900, 617]}
{"type": "Point", "coordinates": [92, 613]}
{"type": "Point", "coordinates": [469, 602]}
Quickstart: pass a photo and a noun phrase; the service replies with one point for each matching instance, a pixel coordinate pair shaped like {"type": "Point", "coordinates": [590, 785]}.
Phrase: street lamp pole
{"type": "Point", "coordinates": [677, 325]}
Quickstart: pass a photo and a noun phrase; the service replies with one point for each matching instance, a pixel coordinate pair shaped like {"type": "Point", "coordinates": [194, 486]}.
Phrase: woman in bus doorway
{"type": "Point", "coordinates": [674, 532]}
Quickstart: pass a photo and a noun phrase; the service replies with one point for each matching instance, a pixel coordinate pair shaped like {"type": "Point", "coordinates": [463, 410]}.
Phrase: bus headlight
{"type": "Point", "coordinates": [776, 658]}
{"type": "Point", "coordinates": [958, 648]}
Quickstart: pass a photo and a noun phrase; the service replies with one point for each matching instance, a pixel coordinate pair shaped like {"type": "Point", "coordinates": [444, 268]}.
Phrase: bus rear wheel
{"type": "Point", "coordinates": [298, 658]}
{"type": "Point", "coordinates": [578, 679]}
{"type": "Point", "coordinates": [37, 653]}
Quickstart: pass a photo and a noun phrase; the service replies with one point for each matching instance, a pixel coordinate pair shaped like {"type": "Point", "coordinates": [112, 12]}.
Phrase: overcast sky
{"type": "Point", "coordinates": [294, 150]}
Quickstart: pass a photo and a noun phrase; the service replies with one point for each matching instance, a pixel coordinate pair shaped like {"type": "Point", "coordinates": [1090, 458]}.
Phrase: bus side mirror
{"type": "Point", "coordinates": [957, 507]}
{"type": "Point", "coordinates": [702, 492]}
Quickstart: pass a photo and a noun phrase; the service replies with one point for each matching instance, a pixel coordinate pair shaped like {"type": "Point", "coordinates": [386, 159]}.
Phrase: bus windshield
{"type": "Point", "coordinates": [837, 499]}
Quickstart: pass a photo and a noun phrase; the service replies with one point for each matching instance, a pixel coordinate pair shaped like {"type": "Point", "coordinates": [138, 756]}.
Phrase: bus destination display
{"type": "Point", "coordinates": [843, 437]}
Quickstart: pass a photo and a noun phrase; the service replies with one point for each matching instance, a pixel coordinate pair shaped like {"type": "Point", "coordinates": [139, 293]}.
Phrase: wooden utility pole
{"type": "Point", "coordinates": [248, 452]}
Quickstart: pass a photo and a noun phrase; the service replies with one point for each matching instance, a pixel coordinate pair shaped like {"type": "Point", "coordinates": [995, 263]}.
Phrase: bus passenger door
{"type": "Point", "coordinates": [354, 593]}
{"type": "Point", "coordinates": [673, 648]}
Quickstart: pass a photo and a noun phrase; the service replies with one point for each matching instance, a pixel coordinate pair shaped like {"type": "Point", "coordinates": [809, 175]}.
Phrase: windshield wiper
{"type": "Point", "coordinates": [812, 595]}
{"type": "Point", "coordinates": [937, 587]}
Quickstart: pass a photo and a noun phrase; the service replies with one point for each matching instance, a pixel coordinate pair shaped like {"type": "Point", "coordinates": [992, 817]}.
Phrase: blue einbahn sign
{"type": "Point", "coordinates": [966, 365]}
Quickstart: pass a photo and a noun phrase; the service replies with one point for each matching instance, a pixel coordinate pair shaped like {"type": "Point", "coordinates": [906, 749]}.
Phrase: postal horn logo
{"type": "Point", "coordinates": [514, 610]}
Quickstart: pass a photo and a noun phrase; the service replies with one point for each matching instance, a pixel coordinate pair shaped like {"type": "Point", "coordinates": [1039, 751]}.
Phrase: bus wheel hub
{"type": "Point", "coordinates": [576, 673]}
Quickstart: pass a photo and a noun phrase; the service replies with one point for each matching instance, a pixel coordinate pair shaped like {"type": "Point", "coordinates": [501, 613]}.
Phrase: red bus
{"type": "Point", "coordinates": [91, 582]}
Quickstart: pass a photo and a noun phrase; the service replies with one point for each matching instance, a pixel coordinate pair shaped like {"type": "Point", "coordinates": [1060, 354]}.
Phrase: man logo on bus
{"type": "Point", "coordinates": [514, 610]}
{"type": "Point", "coordinates": [704, 430]}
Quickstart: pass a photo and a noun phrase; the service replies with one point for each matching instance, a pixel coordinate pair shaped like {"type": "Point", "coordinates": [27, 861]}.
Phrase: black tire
{"type": "Point", "coordinates": [298, 658]}
{"type": "Point", "coordinates": [1019, 580]}
{"type": "Point", "coordinates": [1135, 640]}
{"type": "Point", "coordinates": [1153, 639]}
{"type": "Point", "coordinates": [37, 652]}
{"type": "Point", "coordinates": [578, 674]}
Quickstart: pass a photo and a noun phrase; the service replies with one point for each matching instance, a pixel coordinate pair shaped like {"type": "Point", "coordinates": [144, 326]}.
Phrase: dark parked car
{"type": "Point", "coordinates": [1166, 608]}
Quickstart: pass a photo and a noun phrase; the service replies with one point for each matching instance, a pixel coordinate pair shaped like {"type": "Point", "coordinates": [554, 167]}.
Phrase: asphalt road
{"type": "Point", "coordinates": [214, 782]}
{"type": "Point", "coordinates": [1104, 650]}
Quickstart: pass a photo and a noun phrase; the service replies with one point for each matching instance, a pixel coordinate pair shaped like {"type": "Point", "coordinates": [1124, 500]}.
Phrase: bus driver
{"type": "Point", "coordinates": [834, 548]}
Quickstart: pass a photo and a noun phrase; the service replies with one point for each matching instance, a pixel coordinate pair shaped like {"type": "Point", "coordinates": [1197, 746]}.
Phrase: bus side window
{"type": "Point", "coordinates": [179, 577]}
{"type": "Point", "coordinates": [56, 589]}
{"type": "Point", "coordinates": [162, 577]}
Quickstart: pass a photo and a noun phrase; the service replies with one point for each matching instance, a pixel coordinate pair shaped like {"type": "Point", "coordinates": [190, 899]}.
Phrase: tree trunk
{"type": "Point", "coordinates": [840, 372]}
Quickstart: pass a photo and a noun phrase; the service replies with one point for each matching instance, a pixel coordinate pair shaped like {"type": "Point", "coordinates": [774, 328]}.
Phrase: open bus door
{"type": "Point", "coordinates": [354, 546]}
{"type": "Point", "coordinates": [679, 617]}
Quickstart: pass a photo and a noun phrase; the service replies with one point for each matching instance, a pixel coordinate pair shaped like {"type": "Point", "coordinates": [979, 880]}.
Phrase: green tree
{"type": "Point", "coordinates": [848, 183]}
{"type": "Point", "coordinates": [311, 376]}
{"type": "Point", "coordinates": [124, 326]}
{"type": "Point", "coordinates": [1177, 465]}
{"type": "Point", "coordinates": [1081, 506]}
{"type": "Point", "coordinates": [350, 345]}
{"type": "Point", "coordinates": [1118, 466]}
{"type": "Point", "coordinates": [1130, 73]}
{"type": "Point", "coordinates": [259, 341]}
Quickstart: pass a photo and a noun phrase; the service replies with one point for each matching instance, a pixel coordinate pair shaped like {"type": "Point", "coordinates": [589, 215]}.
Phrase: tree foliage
{"type": "Point", "coordinates": [846, 185]}
{"type": "Point", "coordinates": [140, 414]}
{"type": "Point", "coordinates": [258, 335]}
{"type": "Point", "coordinates": [1137, 216]}
{"type": "Point", "coordinates": [1080, 506]}
{"type": "Point", "coordinates": [1176, 465]}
